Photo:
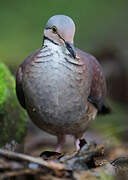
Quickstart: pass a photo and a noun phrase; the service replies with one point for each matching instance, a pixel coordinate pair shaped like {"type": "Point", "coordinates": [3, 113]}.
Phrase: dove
{"type": "Point", "coordinates": [61, 87]}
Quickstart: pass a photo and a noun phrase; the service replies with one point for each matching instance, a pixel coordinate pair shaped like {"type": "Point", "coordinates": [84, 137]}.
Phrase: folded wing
{"type": "Point", "coordinates": [98, 86]}
{"type": "Point", "coordinates": [19, 76]}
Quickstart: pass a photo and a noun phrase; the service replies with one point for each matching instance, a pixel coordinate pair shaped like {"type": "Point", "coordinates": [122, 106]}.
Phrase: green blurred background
{"type": "Point", "coordinates": [101, 29]}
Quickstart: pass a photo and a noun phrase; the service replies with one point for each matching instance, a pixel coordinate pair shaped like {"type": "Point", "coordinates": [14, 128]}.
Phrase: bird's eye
{"type": "Point", "coordinates": [54, 29]}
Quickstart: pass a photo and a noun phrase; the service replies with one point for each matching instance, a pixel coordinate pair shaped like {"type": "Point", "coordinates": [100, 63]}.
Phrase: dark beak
{"type": "Point", "coordinates": [70, 48]}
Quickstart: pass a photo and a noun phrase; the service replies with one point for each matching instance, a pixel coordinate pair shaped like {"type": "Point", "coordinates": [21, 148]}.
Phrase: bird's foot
{"type": "Point", "coordinates": [77, 144]}
{"type": "Point", "coordinates": [58, 148]}
{"type": "Point", "coordinates": [61, 141]}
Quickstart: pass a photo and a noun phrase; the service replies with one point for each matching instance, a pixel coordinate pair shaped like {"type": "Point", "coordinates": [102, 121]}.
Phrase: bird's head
{"type": "Point", "coordinates": [60, 29]}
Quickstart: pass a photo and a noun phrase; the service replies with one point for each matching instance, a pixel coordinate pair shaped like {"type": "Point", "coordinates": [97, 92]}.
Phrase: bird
{"type": "Point", "coordinates": [61, 87]}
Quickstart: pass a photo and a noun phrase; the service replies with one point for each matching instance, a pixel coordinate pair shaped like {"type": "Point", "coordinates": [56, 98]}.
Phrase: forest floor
{"type": "Point", "coordinates": [95, 160]}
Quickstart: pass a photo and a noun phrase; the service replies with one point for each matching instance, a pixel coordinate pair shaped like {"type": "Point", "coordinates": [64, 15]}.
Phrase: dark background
{"type": "Point", "coordinates": [101, 29]}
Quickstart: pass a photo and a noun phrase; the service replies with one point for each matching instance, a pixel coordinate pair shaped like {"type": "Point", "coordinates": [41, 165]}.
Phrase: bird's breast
{"type": "Point", "coordinates": [56, 86]}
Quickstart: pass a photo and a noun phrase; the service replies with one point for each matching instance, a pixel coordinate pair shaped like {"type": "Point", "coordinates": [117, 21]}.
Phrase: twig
{"type": "Point", "coordinates": [19, 156]}
{"type": "Point", "coordinates": [18, 173]}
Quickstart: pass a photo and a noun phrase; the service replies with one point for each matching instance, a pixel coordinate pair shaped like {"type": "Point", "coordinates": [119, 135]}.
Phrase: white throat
{"type": "Point", "coordinates": [53, 50]}
{"type": "Point", "coordinates": [53, 46]}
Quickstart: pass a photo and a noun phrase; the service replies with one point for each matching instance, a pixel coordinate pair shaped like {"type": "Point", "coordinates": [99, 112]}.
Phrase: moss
{"type": "Point", "coordinates": [105, 176]}
{"type": "Point", "coordinates": [3, 90]}
{"type": "Point", "coordinates": [13, 118]}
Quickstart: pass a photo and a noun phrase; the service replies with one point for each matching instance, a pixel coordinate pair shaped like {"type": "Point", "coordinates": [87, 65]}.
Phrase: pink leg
{"type": "Point", "coordinates": [77, 142]}
{"type": "Point", "coordinates": [61, 141]}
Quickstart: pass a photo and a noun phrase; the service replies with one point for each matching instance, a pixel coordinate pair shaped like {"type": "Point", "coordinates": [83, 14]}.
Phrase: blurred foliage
{"type": "Point", "coordinates": [22, 24]}
{"type": "Point", "coordinates": [112, 126]}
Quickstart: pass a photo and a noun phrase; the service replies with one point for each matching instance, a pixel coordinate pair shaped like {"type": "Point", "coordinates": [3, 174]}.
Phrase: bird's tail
{"type": "Point", "coordinates": [105, 109]}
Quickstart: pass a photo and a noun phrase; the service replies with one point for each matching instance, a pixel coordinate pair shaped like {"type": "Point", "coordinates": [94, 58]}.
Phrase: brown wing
{"type": "Point", "coordinates": [98, 85]}
{"type": "Point", "coordinates": [19, 74]}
